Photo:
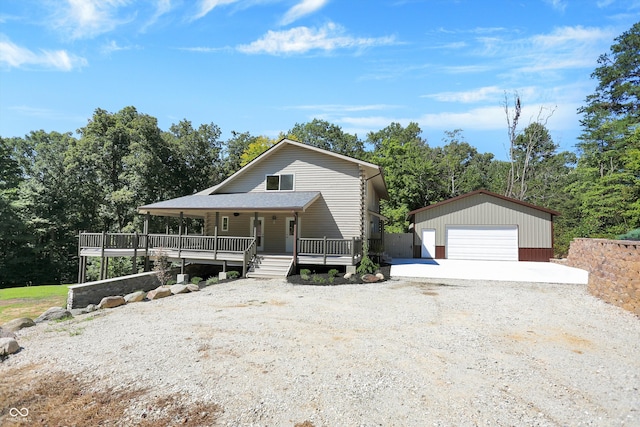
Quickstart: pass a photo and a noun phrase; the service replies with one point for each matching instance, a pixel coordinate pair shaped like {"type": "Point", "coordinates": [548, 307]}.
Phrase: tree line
{"type": "Point", "coordinates": [53, 185]}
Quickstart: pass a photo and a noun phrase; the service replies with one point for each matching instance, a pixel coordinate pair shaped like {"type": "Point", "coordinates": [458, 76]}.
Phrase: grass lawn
{"type": "Point", "coordinates": [30, 301]}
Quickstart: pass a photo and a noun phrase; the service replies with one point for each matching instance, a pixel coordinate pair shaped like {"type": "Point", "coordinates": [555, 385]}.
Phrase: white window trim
{"type": "Point", "coordinates": [293, 178]}
{"type": "Point", "coordinates": [223, 223]}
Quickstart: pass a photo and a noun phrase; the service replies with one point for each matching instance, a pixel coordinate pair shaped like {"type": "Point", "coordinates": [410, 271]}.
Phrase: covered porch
{"type": "Point", "coordinates": [237, 230]}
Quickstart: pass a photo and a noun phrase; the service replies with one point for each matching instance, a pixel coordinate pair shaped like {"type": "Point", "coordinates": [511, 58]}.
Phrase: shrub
{"type": "Point", "coordinates": [331, 279]}
{"type": "Point", "coordinates": [366, 264]}
{"type": "Point", "coordinates": [211, 281]}
{"type": "Point", "coordinates": [162, 267]}
{"type": "Point", "coordinates": [333, 273]}
{"type": "Point", "coordinates": [318, 279]}
{"type": "Point", "coordinates": [304, 273]}
{"type": "Point", "coordinates": [171, 282]}
{"type": "Point", "coordinates": [631, 235]}
{"type": "Point", "coordinates": [233, 274]}
{"type": "Point", "coordinates": [195, 280]}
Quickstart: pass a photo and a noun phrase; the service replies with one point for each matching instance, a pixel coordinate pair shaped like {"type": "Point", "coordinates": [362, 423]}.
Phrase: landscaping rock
{"type": "Point", "coordinates": [135, 297]}
{"type": "Point", "coordinates": [110, 302]}
{"type": "Point", "coordinates": [179, 289]}
{"type": "Point", "coordinates": [54, 313]}
{"type": "Point", "coordinates": [17, 324]}
{"type": "Point", "coordinates": [348, 276]}
{"type": "Point", "coordinates": [7, 334]}
{"type": "Point", "coordinates": [193, 288]}
{"type": "Point", "coordinates": [90, 308]}
{"type": "Point", "coordinates": [159, 292]}
{"type": "Point", "coordinates": [8, 346]}
{"type": "Point", "coordinates": [380, 276]}
{"type": "Point", "coordinates": [369, 278]}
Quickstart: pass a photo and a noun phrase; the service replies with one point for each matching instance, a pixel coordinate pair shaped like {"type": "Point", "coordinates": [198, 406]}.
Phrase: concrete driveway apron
{"type": "Point", "coordinates": [511, 271]}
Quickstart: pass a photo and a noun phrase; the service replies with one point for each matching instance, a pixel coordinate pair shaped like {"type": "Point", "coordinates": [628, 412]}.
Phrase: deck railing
{"type": "Point", "coordinates": [165, 241]}
{"type": "Point", "coordinates": [142, 243]}
{"type": "Point", "coordinates": [326, 247]}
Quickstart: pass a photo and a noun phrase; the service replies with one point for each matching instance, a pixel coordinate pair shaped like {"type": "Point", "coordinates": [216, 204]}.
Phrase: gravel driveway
{"type": "Point", "coordinates": [397, 353]}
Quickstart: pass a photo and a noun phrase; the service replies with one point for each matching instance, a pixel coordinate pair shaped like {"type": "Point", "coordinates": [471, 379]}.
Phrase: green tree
{"type": "Point", "coordinates": [607, 186]}
{"type": "Point", "coordinates": [258, 146]}
{"type": "Point", "coordinates": [410, 174]}
{"type": "Point", "coordinates": [328, 136]}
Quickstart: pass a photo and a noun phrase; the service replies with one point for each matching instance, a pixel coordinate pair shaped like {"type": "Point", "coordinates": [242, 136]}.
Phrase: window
{"type": "Point", "coordinates": [225, 223]}
{"type": "Point", "coordinates": [279, 182]}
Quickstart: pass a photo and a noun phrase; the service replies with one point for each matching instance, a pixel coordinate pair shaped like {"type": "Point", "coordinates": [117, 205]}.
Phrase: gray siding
{"type": "Point", "coordinates": [534, 226]}
{"type": "Point", "coordinates": [336, 214]}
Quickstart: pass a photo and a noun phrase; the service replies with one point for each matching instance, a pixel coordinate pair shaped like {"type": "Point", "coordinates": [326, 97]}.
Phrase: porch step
{"type": "Point", "coordinates": [271, 266]}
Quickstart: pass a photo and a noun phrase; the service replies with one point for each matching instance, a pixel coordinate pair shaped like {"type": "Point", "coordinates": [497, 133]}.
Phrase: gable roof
{"type": "Point", "coordinates": [488, 193]}
{"type": "Point", "coordinates": [374, 172]}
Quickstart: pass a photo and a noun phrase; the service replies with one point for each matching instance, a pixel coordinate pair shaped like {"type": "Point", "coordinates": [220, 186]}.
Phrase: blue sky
{"type": "Point", "coordinates": [263, 65]}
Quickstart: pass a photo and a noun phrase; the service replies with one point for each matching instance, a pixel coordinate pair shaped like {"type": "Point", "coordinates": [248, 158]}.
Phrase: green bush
{"type": "Point", "coordinates": [318, 279]}
{"type": "Point", "coordinates": [211, 281]}
{"type": "Point", "coordinates": [304, 273]}
{"type": "Point", "coordinates": [171, 282]}
{"type": "Point", "coordinates": [366, 264]}
{"type": "Point", "coordinates": [631, 235]}
{"type": "Point", "coordinates": [333, 272]}
{"type": "Point", "coordinates": [195, 280]}
{"type": "Point", "coordinates": [233, 274]}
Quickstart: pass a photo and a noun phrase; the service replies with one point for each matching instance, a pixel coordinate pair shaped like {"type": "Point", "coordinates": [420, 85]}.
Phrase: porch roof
{"type": "Point", "coordinates": [197, 205]}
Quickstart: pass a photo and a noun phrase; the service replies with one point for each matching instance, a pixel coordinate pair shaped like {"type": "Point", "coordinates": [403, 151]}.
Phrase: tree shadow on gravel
{"type": "Point", "coordinates": [35, 396]}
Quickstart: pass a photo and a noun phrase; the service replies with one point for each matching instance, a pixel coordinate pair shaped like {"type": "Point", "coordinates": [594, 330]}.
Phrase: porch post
{"type": "Point", "coordinates": [180, 243]}
{"type": "Point", "coordinates": [295, 238]}
{"type": "Point", "coordinates": [79, 257]}
{"type": "Point", "coordinates": [147, 217]}
{"type": "Point", "coordinates": [215, 237]}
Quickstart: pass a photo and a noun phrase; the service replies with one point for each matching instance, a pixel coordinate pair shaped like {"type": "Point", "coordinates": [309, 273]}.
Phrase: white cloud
{"type": "Point", "coordinates": [303, 39]}
{"type": "Point", "coordinates": [476, 95]}
{"type": "Point", "coordinates": [560, 5]}
{"type": "Point", "coordinates": [207, 6]}
{"type": "Point", "coordinates": [162, 7]}
{"type": "Point", "coordinates": [15, 56]}
{"type": "Point", "coordinates": [305, 7]}
{"type": "Point", "coordinates": [89, 18]}
{"type": "Point", "coordinates": [333, 108]}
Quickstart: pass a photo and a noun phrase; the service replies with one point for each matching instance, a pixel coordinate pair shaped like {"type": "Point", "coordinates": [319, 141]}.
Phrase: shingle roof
{"type": "Point", "coordinates": [264, 201]}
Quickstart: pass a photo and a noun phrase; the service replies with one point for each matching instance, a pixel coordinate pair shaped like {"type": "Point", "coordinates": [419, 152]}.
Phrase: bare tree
{"type": "Point", "coordinates": [528, 148]}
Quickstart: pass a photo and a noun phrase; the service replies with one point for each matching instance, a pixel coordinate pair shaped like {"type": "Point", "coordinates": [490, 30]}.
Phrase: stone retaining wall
{"type": "Point", "coordinates": [614, 269]}
{"type": "Point", "coordinates": [82, 295]}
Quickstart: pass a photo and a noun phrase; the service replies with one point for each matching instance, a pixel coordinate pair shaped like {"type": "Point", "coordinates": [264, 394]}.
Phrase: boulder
{"type": "Point", "coordinates": [110, 302]}
{"type": "Point", "coordinates": [8, 346]}
{"type": "Point", "coordinates": [16, 324]}
{"type": "Point", "coordinates": [54, 313]}
{"type": "Point", "coordinates": [193, 288]}
{"type": "Point", "coordinates": [369, 278]}
{"type": "Point", "coordinates": [348, 275]}
{"type": "Point", "coordinates": [135, 297]}
{"type": "Point", "coordinates": [90, 308]}
{"type": "Point", "coordinates": [7, 334]}
{"type": "Point", "coordinates": [179, 289]}
{"type": "Point", "coordinates": [380, 276]}
{"type": "Point", "coordinates": [159, 292]}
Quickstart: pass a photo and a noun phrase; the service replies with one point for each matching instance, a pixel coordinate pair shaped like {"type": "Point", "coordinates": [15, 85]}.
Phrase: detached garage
{"type": "Point", "coordinates": [482, 225]}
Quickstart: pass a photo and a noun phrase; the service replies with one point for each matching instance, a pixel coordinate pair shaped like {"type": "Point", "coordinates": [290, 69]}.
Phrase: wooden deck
{"type": "Point", "coordinates": [224, 250]}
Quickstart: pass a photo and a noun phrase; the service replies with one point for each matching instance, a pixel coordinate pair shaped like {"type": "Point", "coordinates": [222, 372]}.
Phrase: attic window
{"type": "Point", "coordinates": [279, 182]}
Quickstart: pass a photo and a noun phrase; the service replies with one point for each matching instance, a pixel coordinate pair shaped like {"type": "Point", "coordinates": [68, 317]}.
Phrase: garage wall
{"type": "Point", "coordinates": [480, 209]}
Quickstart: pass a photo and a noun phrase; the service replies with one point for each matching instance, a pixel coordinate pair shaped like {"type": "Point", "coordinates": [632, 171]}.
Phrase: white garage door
{"type": "Point", "coordinates": [483, 242]}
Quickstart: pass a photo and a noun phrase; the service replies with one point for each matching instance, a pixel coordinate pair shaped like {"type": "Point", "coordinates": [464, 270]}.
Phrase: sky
{"type": "Point", "coordinates": [261, 66]}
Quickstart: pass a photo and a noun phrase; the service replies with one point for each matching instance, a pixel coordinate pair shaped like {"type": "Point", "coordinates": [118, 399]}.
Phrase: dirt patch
{"type": "Point", "coordinates": [31, 397]}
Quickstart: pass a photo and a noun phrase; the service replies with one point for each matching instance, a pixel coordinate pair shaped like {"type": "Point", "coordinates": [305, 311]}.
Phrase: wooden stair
{"type": "Point", "coordinates": [270, 266]}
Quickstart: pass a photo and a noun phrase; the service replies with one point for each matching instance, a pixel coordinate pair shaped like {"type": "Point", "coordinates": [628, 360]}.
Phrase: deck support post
{"type": "Point", "coordinates": [134, 261]}
{"type": "Point", "coordinates": [353, 250]}
{"type": "Point", "coordinates": [324, 250]}
{"type": "Point", "coordinates": [103, 270]}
